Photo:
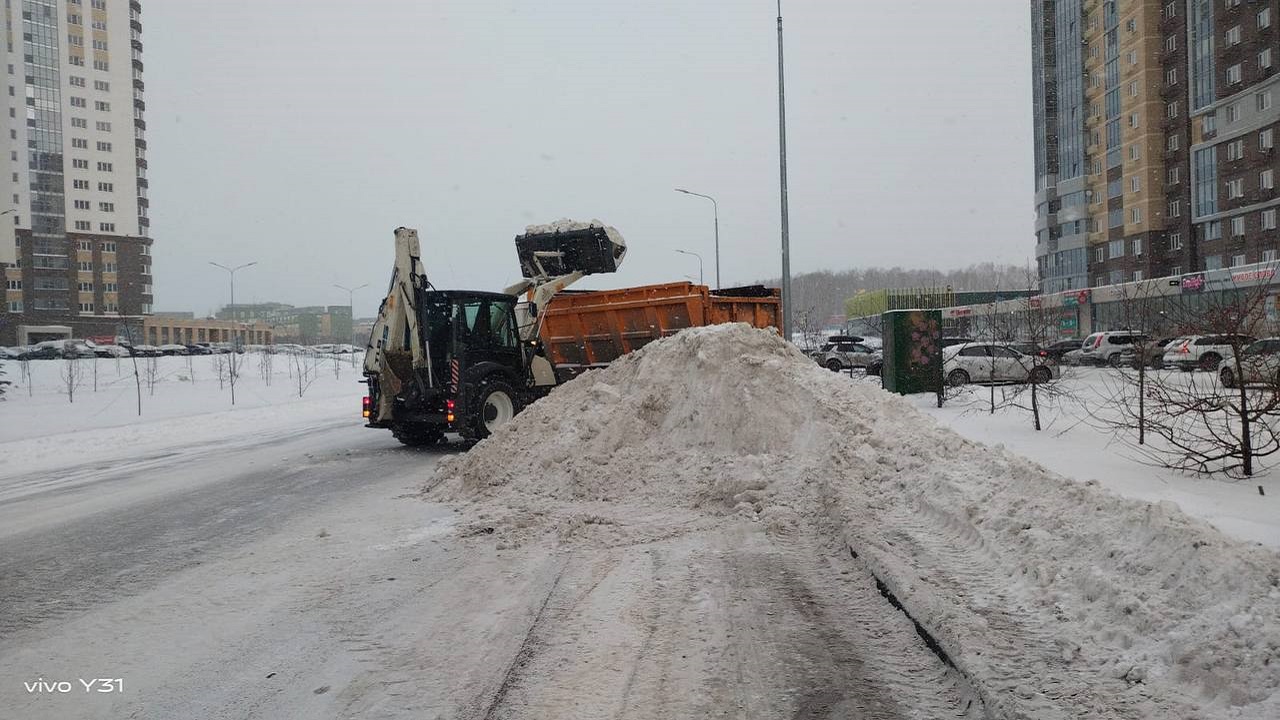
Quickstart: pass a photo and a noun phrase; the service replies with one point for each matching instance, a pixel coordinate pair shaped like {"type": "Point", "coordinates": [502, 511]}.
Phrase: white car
{"type": "Point", "coordinates": [1259, 364]}
{"type": "Point", "coordinates": [1108, 348]}
{"type": "Point", "coordinates": [1205, 352]}
{"type": "Point", "coordinates": [993, 362]}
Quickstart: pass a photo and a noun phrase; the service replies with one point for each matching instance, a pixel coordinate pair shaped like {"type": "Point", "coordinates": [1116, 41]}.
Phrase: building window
{"type": "Point", "coordinates": [86, 287]}
{"type": "Point", "coordinates": [107, 207]}
{"type": "Point", "coordinates": [1175, 208]}
{"type": "Point", "coordinates": [14, 284]}
{"type": "Point", "coordinates": [99, 44]}
{"type": "Point", "coordinates": [1264, 100]}
{"type": "Point", "coordinates": [1231, 3]}
{"type": "Point", "coordinates": [81, 204]}
{"type": "Point", "coordinates": [1116, 248]}
{"type": "Point", "coordinates": [104, 167]}
{"type": "Point", "coordinates": [1237, 260]}
{"type": "Point", "coordinates": [1137, 275]}
{"type": "Point", "coordinates": [102, 85]}
{"type": "Point", "coordinates": [1233, 36]}
{"type": "Point", "coordinates": [1212, 262]}
{"type": "Point", "coordinates": [1133, 89]}
{"type": "Point", "coordinates": [103, 125]}
{"type": "Point", "coordinates": [1266, 139]}
{"type": "Point", "coordinates": [86, 266]}
{"type": "Point", "coordinates": [1233, 113]}
{"type": "Point", "coordinates": [1264, 18]}
{"type": "Point", "coordinates": [1172, 142]}
{"type": "Point", "coordinates": [1133, 120]}
{"type": "Point", "coordinates": [75, 60]}
{"type": "Point", "coordinates": [83, 225]}
{"type": "Point", "coordinates": [1235, 188]}
{"type": "Point", "coordinates": [109, 267]}
{"type": "Point", "coordinates": [80, 164]}
{"type": "Point", "coordinates": [1131, 25]}
{"type": "Point", "coordinates": [1133, 57]}
{"type": "Point", "coordinates": [1171, 76]}
{"type": "Point", "coordinates": [1269, 219]}
{"type": "Point", "coordinates": [80, 184]}
{"type": "Point", "coordinates": [1175, 176]}
{"type": "Point", "coordinates": [102, 105]}
{"type": "Point", "coordinates": [1099, 254]}
{"type": "Point", "coordinates": [1235, 149]}
{"type": "Point", "coordinates": [78, 101]}
{"type": "Point", "coordinates": [99, 65]}
{"type": "Point", "coordinates": [1134, 152]}
{"type": "Point", "coordinates": [1213, 230]}
{"type": "Point", "coordinates": [104, 146]}
{"type": "Point", "coordinates": [1237, 226]}
{"type": "Point", "coordinates": [1170, 10]}
{"type": "Point", "coordinates": [1171, 43]}
{"type": "Point", "coordinates": [79, 122]}
{"type": "Point", "coordinates": [15, 306]}
{"type": "Point", "coordinates": [108, 246]}
{"type": "Point", "coordinates": [1135, 215]}
{"type": "Point", "coordinates": [106, 187]}
{"type": "Point", "coordinates": [84, 245]}
{"type": "Point", "coordinates": [1137, 247]}
{"type": "Point", "coordinates": [1264, 58]}
{"type": "Point", "coordinates": [1116, 277]}
{"type": "Point", "coordinates": [1233, 74]}
{"type": "Point", "coordinates": [106, 227]}
{"type": "Point", "coordinates": [1267, 179]}
{"type": "Point", "coordinates": [1172, 109]}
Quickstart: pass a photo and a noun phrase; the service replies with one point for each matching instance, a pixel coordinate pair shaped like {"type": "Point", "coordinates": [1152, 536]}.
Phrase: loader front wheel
{"type": "Point", "coordinates": [494, 405]}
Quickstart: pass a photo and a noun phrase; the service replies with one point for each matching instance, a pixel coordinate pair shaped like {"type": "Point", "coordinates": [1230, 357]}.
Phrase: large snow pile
{"type": "Point", "coordinates": [1057, 599]}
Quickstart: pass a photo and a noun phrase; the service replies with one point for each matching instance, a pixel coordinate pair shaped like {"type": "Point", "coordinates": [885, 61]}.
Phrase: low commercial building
{"type": "Point", "coordinates": [158, 330]}
{"type": "Point", "coordinates": [303, 325]}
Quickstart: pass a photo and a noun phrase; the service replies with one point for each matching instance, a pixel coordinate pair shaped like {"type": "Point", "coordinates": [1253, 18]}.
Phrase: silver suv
{"type": "Point", "coordinates": [844, 353]}
{"type": "Point", "coordinates": [1108, 348]}
{"type": "Point", "coordinates": [1205, 352]}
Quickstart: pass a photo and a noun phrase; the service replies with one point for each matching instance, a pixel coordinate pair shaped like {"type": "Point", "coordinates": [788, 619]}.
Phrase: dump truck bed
{"type": "Point", "coordinates": [586, 329]}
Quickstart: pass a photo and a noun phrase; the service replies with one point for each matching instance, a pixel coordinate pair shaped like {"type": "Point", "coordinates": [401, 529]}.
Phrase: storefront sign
{"type": "Point", "coordinates": [1193, 283]}
{"type": "Point", "coordinates": [1245, 276]}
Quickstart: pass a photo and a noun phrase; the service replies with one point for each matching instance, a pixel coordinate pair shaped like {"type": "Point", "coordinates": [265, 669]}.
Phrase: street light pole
{"type": "Point", "coordinates": [351, 309]}
{"type": "Point", "coordinates": [686, 252]}
{"type": "Point", "coordinates": [715, 211]}
{"type": "Point", "coordinates": [235, 334]}
{"type": "Point", "coordinates": [782, 169]}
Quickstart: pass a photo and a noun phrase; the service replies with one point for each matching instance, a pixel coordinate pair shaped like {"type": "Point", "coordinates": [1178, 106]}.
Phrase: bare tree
{"type": "Point", "coordinates": [305, 367]}
{"type": "Point", "coordinates": [151, 372]}
{"type": "Point", "coordinates": [1222, 421]}
{"type": "Point", "coordinates": [71, 374]}
{"type": "Point", "coordinates": [220, 369]}
{"type": "Point", "coordinates": [264, 364]}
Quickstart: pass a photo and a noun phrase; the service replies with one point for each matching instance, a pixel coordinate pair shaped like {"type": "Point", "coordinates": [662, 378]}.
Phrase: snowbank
{"type": "Point", "coordinates": [1057, 599]}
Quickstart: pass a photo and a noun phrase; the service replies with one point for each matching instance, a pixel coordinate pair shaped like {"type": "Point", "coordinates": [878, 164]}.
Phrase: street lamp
{"type": "Point", "coordinates": [351, 294]}
{"type": "Point", "coordinates": [782, 171]}
{"type": "Point", "coordinates": [235, 335]}
{"type": "Point", "coordinates": [715, 210]}
{"type": "Point", "coordinates": [686, 252]}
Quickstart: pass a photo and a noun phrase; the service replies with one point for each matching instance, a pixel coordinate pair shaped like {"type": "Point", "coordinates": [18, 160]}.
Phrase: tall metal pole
{"type": "Point", "coordinates": [351, 308]}
{"type": "Point", "coordinates": [700, 281]}
{"type": "Point", "coordinates": [782, 163]}
{"type": "Point", "coordinates": [715, 210]}
{"type": "Point", "coordinates": [235, 335]}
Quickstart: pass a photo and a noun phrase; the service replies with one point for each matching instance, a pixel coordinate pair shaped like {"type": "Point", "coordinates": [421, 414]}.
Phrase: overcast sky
{"type": "Point", "coordinates": [299, 134]}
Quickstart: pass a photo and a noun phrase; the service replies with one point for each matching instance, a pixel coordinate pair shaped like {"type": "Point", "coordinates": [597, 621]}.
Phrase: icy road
{"type": "Point", "coordinates": [299, 575]}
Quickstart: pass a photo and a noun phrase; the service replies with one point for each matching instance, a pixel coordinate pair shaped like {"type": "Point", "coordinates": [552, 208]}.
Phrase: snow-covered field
{"type": "Point", "coordinates": [42, 426]}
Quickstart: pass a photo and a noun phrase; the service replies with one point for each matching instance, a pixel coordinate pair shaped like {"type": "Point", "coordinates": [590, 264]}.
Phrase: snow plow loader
{"type": "Point", "coordinates": [466, 361]}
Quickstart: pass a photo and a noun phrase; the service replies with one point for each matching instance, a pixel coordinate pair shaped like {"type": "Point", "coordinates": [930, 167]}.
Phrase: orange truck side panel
{"type": "Point", "coordinates": [582, 329]}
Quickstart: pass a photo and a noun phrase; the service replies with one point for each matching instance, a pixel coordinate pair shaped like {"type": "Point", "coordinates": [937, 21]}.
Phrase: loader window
{"type": "Point", "coordinates": [486, 323]}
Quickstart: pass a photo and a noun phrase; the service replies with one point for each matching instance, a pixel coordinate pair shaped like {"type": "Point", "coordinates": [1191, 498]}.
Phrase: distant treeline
{"type": "Point", "coordinates": [823, 292]}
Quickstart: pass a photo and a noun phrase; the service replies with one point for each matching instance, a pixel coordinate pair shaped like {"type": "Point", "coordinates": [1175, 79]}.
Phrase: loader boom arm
{"type": "Point", "coordinates": [397, 329]}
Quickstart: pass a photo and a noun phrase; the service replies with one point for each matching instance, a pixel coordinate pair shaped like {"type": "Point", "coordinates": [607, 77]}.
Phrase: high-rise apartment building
{"type": "Point", "coordinates": [1154, 133]}
{"type": "Point", "coordinates": [76, 173]}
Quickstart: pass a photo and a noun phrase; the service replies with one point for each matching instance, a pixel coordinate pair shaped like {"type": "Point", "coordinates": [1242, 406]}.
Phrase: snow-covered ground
{"type": "Point", "coordinates": [1073, 445]}
{"type": "Point", "coordinates": [43, 427]}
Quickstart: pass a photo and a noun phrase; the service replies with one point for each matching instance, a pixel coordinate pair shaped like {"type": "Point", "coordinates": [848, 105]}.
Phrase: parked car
{"type": "Point", "coordinates": [1152, 353]}
{"type": "Point", "coordinates": [110, 351]}
{"type": "Point", "coordinates": [957, 340]}
{"type": "Point", "coordinates": [1107, 348]}
{"type": "Point", "coordinates": [145, 351]}
{"type": "Point", "coordinates": [1057, 350]}
{"type": "Point", "coordinates": [994, 362]}
{"type": "Point", "coordinates": [174, 349]}
{"type": "Point", "coordinates": [1259, 365]}
{"type": "Point", "coordinates": [12, 353]}
{"type": "Point", "coordinates": [199, 349]}
{"type": "Point", "coordinates": [1204, 352]}
{"type": "Point", "coordinates": [844, 355]}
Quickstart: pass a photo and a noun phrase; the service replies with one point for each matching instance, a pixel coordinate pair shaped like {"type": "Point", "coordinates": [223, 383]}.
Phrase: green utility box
{"type": "Point", "coordinates": [912, 351]}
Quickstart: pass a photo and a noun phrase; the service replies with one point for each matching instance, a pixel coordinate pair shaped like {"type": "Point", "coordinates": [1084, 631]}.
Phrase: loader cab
{"type": "Point", "coordinates": [477, 329]}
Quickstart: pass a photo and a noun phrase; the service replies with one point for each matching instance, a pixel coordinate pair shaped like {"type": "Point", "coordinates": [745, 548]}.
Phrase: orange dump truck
{"type": "Point", "coordinates": [586, 329]}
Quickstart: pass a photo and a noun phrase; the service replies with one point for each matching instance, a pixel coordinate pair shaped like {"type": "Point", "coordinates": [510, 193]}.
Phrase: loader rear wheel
{"type": "Point", "coordinates": [494, 404]}
{"type": "Point", "coordinates": [417, 434]}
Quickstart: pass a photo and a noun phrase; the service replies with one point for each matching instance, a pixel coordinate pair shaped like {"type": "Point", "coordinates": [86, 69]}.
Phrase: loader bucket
{"type": "Point", "coordinates": [587, 250]}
